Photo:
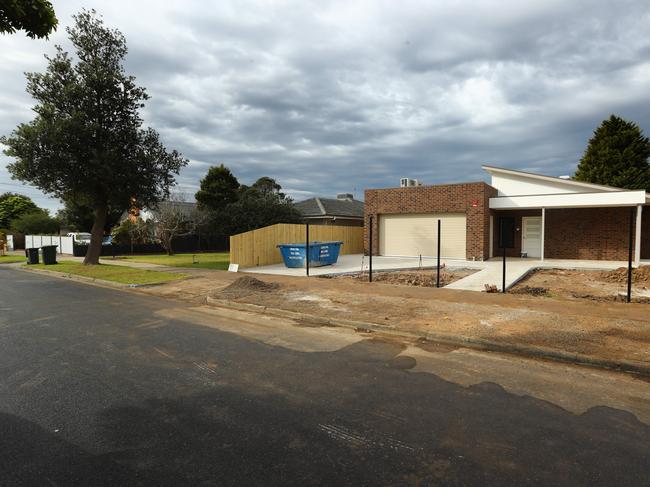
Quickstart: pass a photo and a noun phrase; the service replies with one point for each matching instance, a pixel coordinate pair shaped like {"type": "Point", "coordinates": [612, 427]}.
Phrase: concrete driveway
{"type": "Point", "coordinates": [352, 263]}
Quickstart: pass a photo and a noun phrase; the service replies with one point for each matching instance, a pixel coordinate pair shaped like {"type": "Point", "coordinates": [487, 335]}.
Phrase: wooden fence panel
{"type": "Point", "coordinates": [259, 247]}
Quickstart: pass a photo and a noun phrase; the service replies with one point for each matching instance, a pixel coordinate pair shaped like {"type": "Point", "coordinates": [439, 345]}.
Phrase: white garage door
{"type": "Point", "coordinates": [412, 235]}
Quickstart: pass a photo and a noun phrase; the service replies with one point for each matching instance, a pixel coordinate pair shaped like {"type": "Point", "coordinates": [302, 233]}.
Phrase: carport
{"type": "Point", "coordinates": [592, 226]}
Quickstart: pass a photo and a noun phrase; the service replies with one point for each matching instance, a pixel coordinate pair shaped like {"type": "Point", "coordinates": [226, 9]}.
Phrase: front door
{"type": "Point", "coordinates": [531, 236]}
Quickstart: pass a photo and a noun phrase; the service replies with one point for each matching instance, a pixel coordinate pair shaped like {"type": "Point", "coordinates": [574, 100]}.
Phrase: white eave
{"type": "Point", "coordinates": [551, 179]}
{"type": "Point", "coordinates": [570, 200]}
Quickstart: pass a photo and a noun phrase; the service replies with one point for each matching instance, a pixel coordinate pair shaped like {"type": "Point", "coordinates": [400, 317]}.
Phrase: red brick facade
{"type": "Point", "coordinates": [472, 199]}
{"type": "Point", "coordinates": [587, 233]}
{"type": "Point", "coordinates": [581, 233]}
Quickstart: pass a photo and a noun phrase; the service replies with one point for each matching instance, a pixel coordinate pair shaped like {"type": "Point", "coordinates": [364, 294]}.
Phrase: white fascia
{"type": "Point", "coordinates": [571, 200]}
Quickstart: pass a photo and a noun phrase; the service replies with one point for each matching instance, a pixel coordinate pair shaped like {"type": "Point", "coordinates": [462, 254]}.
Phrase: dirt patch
{"type": "Point", "coordinates": [604, 330]}
{"type": "Point", "coordinates": [532, 291]}
{"type": "Point", "coordinates": [640, 276]}
{"type": "Point", "coordinates": [245, 286]}
{"type": "Point", "coordinates": [593, 285]}
{"type": "Point", "coordinates": [424, 277]}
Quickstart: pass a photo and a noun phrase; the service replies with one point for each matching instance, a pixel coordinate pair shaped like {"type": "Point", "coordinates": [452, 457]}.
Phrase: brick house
{"type": "Point", "coordinates": [547, 217]}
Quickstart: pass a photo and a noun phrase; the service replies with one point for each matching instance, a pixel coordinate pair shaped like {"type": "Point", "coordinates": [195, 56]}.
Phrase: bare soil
{"type": "Point", "coordinates": [604, 330]}
{"type": "Point", "coordinates": [423, 277]}
{"type": "Point", "coordinates": [583, 284]}
{"type": "Point", "coordinates": [245, 286]}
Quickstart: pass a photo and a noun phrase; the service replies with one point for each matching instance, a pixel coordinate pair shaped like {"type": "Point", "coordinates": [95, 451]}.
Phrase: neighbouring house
{"type": "Point", "coordinates": [550, 217]}
{"type": "Point", "coordinates": [185, 208]}
{"type": "Point", "coordinates": [342, 210]}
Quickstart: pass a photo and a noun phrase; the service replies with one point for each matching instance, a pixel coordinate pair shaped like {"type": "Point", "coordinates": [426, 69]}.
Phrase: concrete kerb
{"type": "Point", "coordinates": [467, 342]}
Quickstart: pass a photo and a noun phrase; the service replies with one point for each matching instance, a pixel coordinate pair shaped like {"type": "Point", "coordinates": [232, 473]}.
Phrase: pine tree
{"type": "Point", "coordinates": [617, 155]}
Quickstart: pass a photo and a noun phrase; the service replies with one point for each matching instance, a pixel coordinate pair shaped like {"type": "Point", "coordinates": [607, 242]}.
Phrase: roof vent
{"type": "Point", "coordinates": [565, 177]}
{"type": "Point", "coordinates": [344, 196]}
{"type": "Point", "coordinates": [409, 183]}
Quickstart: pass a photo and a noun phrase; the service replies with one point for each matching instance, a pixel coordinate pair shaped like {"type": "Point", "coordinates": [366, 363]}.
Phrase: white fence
{"type": "Point", "coordinates": [64, 243]}
{"type": "Point", "coordinates": [10, 242]}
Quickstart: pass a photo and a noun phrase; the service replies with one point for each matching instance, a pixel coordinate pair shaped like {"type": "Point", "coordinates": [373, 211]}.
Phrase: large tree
{"type": "Point", "coordinates": [13, 205]}
{"type": "Point", "coordinates": [617, 155]}
{"type": "Point", "coordinates": [35, 17]}
{"type": "Point", "coordinates": [87, 142]}
{"type": "Point", "coordinates": [218, 189]}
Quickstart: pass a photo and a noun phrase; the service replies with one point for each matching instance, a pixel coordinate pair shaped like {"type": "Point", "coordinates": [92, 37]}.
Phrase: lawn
{"type": "Point", "coordinates": [115, 273]}
{"type": "Point", "coordinates": [207, 260]}
{"type": "Point", "coordinates": [8, 259]}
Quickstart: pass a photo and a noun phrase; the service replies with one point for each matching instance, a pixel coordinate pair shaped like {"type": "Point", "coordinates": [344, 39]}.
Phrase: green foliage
{"type": "Point", "coordinates": [35, 17]}
{"type": "Point", "coordinates": [268, 186]}
{"type": "Point", "coordinates": [36, 223]}
{"type": "Point", "coordinates": [79, 217]}
{"type": "Point", "coordinates": [234, 208]}
{"type": "Point", "coordinates": [218, 189]}
{"type": "Point", "coordinates": [128, 232]}
{"type": "Point", "coordinates": [255, 209]}
{"type": "Point", "coordinates": [617, 155]}
{"type": "Point", "coordinates": [12, 205]}
{"type": "Point", "coordinates": [87, 142]}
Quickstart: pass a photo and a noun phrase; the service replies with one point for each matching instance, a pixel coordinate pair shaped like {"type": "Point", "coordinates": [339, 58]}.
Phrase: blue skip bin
{"type": "Point", "coordinates": [320, 253]}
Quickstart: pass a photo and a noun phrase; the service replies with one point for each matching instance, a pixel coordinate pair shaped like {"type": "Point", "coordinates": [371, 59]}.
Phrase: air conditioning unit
{"type": "Point", "coordinates": [409, 183]}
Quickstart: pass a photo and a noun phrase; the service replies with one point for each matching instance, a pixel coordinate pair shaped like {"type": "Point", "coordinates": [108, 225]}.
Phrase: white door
{"type": "Point", "coordinates": [531, 236]}
{"type": "Point", "coordinates": [413, 235]}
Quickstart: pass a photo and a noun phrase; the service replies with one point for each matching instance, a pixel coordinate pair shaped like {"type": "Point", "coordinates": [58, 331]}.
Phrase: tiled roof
{"type": "Point", "coordinates": [314, 207]}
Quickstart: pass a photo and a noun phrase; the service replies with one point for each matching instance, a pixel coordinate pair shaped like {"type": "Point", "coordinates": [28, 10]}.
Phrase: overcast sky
{"type": "Point", "coordinates": [331, 97]}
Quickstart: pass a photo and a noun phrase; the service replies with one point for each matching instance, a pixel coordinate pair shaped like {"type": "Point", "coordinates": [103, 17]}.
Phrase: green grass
{"type": "Point", "coordinates": [8, 259]}
{"type": "Point", "coordinates": [115, 273]}
{"type": "Point", "coordinates": [207, 260]}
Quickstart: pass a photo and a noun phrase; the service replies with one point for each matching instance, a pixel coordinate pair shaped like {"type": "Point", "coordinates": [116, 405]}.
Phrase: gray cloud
{"type": "Point", "coordinates": [339, 96]}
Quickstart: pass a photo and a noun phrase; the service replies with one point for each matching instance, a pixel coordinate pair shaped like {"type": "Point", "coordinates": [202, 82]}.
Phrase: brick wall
{"type": "Point", "coordinates": [469, 198]}
{"type": "Point", "coordinates": [587, 233]}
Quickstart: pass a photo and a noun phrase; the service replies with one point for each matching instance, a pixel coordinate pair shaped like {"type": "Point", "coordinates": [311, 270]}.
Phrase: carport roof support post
{"type": "Point", "coordinates": [637, 242]}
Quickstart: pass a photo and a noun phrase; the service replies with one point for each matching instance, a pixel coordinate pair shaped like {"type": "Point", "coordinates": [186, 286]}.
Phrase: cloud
{"type": "Point", "coordinates": [331, 97]}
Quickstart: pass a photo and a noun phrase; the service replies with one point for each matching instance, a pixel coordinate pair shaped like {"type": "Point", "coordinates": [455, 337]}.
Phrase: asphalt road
{"type": "Point", "coordinates": [105, 387]}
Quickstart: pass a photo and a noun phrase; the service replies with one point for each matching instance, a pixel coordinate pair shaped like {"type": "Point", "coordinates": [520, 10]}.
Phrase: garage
{"type": "Point", "coordinates": [417, 234]}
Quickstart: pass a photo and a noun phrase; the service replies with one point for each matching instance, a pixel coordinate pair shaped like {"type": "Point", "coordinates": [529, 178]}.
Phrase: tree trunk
{"type": "Point", "coordinates": [96, 236]}
{"type": "Point", "coordinates": [170, 249]}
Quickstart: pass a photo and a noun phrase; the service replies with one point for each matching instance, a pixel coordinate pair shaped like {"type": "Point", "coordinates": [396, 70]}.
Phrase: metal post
{"type": "Point", "coordinates": [438, 257]}
{"type": "Point", "coordinates": [503, 285]}
{"type": "Point", "coordinates": [629, 257]}
{"type": "Point", "coordinates": [370, 251]}
{"type": "Point", "coordinates": [307, 248]}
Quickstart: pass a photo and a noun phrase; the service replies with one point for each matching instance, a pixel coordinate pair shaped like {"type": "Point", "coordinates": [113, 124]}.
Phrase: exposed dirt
{"type": "Point", "coordinates": [246, 285]}
{"type": "Point", "coordinates": [605, 330]}
{"type": "Point", "coordinates": [532, 291]}
{"type": "Point", "coordinates": [640, 276]}
{"type": "Point", "coordinates": [583, 284]}
{"type": "Point", "coordinates": [424, 277]}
